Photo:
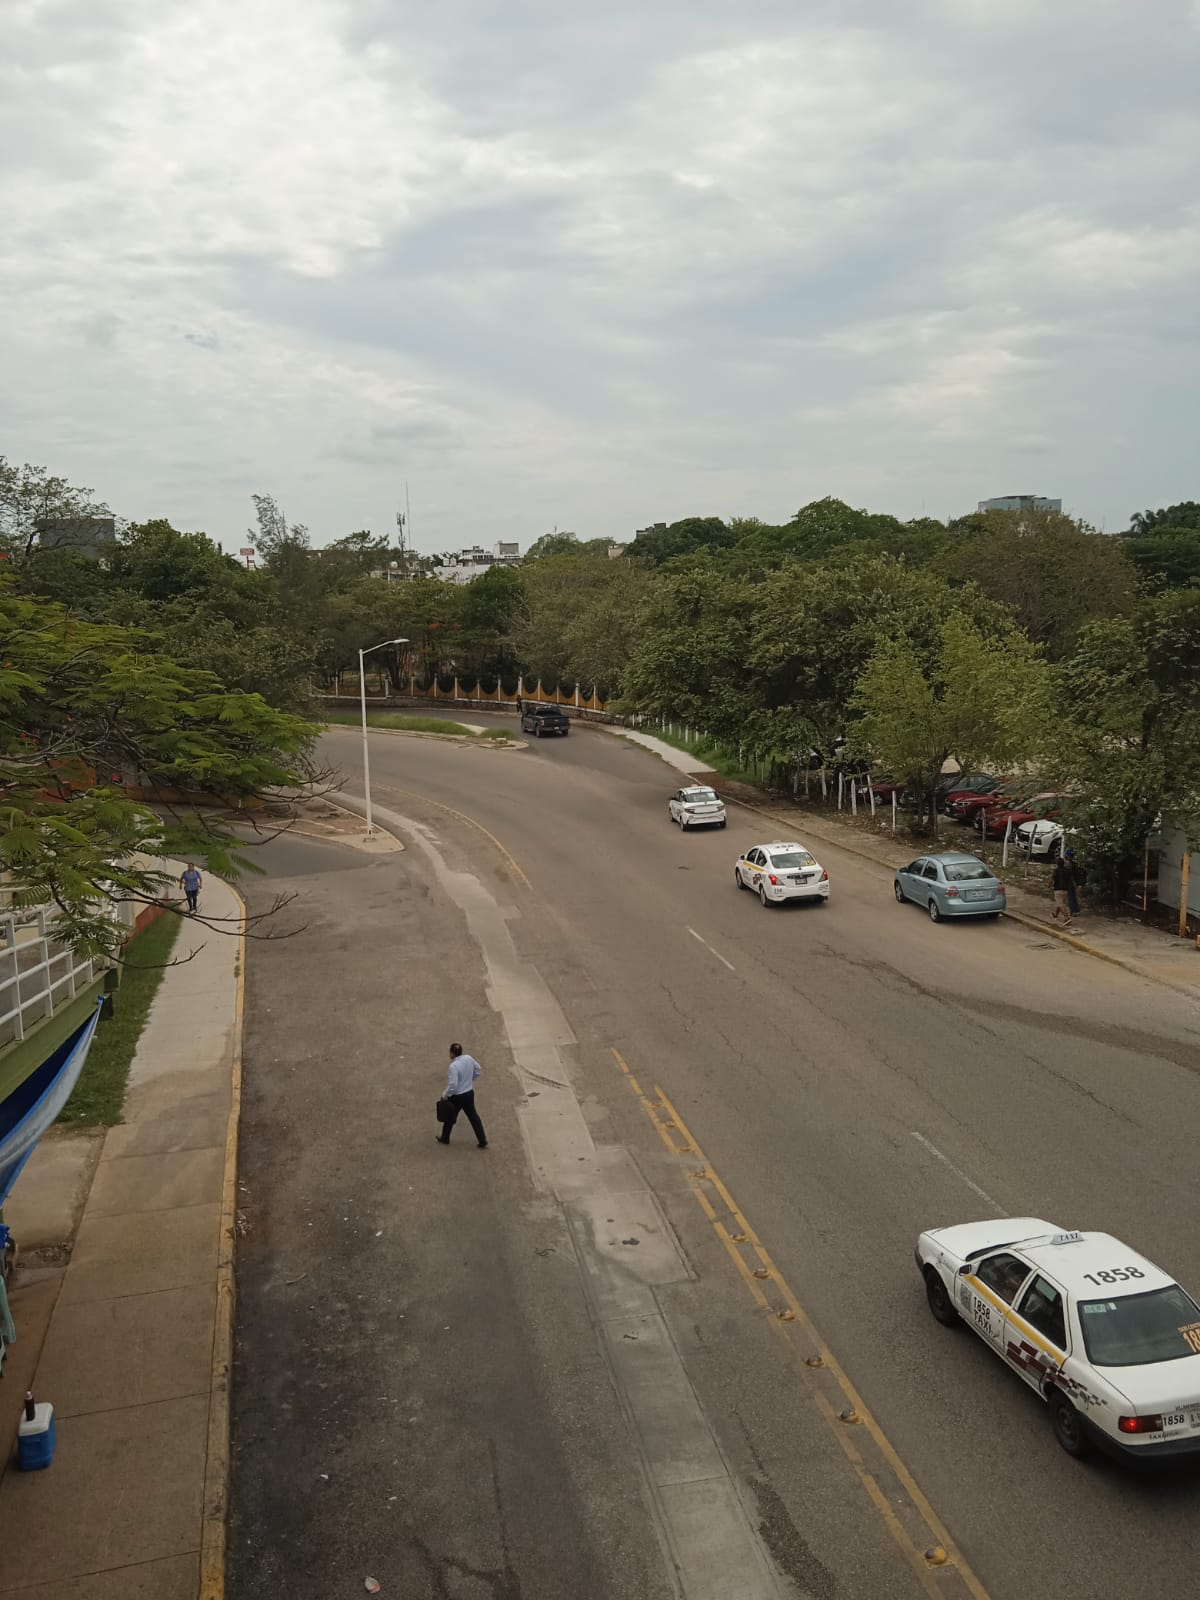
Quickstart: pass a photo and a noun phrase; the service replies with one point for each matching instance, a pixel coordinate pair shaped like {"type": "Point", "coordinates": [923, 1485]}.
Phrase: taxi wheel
{"type": "Point", "coordinates": [762, 895]}
{"type": "Point", "coordinates": [934, 914]}
{"type": "Point", "coordinates": [939, 1301]}
{"type": "Point", "coordinates": [737, 877]}
{"type": "Point", "coordinates": [1068, 1426]}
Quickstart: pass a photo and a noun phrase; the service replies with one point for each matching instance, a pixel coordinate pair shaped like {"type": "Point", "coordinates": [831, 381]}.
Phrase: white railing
{"type": "Point", "coordinates": [37, 977]}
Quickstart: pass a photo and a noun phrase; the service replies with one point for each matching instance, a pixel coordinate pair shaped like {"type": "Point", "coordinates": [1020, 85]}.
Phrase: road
{"type": "Point", "coordinates": [847, 1077]}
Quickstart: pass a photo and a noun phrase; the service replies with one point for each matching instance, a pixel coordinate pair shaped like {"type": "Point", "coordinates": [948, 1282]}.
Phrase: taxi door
{"type": "Point", "coordinates": [753, 868]}
{"type": "Point", "coordinates": [992, 1288]}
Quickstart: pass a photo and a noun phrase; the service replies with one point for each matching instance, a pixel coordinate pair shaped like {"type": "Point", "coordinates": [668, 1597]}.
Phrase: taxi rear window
{"type": "Point", "coordinates": [792, 858]}
{"type": "Point", "coordinates": [1140, 1329]}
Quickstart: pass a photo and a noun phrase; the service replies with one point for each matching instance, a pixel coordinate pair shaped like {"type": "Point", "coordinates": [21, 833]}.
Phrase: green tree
{"type": "Point", "coordinates": [579, 618]}
{"type": "Point", "coordinates": [87, 709]}
{"type": "Point", "coordinates": [689, 536]}
{"type": "Point", "coordinates": [1127, 740]}
{"type": "Point", "coordinates": [35, 502]}
{"type": "Point", "coordinates": [977, 698]}
{"type": "Point", "coordinates": [1184, 515]}
{"type": "Point", "coordinates": [1053, 573]}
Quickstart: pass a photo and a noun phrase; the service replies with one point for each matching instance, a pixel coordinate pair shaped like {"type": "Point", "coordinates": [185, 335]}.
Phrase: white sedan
{"type": "Point", "coordinates": [779, 872]}
{"type": "Point", "coordinates": [1110, 1342]}
{"type": "Point", "coordinates": [697, 806]}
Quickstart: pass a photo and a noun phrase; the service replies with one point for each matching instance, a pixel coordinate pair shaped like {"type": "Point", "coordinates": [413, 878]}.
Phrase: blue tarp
{"type": "Point", "coordinates": [35, 1104]}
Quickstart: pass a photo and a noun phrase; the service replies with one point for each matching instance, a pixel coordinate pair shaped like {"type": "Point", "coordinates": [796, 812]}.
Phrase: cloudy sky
{"type": "Point", "coordinates": [598, 265]}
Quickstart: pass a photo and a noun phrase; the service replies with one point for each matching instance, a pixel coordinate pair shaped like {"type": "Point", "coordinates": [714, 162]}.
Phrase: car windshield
{"type": "Point", "coordinates": [965, 871]}
{"type": "Point", "coordinates": [699, 795]}
{"type": "Point", "coordinates": [792, 858]}
{"type": "Point", "coordinates": [1140, 1328]}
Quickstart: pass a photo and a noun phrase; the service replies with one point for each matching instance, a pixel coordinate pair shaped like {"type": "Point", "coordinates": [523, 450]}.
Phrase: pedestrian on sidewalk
{"type": "Point", "coordinates": [460, 1095]}
{"type": "Point", "coordinates": [191, 881]}
{"type": "Point", "coordinates": [1078, 879]}
{"type": "Point", "coordinates": [1063, 884]}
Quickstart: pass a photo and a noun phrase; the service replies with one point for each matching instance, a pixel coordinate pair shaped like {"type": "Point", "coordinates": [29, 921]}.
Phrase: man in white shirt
{"type": "Point", "coordinates": [460, 1095]}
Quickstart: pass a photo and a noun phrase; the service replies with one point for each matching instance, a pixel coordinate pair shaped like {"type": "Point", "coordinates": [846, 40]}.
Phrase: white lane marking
{"type": "Point", "coordinates": [711, 951]}
{"type": "Point", "coordinates": [957, 1171]}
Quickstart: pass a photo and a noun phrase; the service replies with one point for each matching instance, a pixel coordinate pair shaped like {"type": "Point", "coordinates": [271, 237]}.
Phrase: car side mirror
{"type": "Point", "coordinates": [965, 1270]}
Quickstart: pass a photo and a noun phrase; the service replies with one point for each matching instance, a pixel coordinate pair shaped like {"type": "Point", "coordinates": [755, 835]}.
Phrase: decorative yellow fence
{"type": "Point", "coordinates": [469, 693]}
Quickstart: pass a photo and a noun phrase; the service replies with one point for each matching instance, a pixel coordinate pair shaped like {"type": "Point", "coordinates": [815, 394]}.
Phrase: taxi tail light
{"type": "Point", "coordinates": [824, 874]}
{"type": "Point", "coordinates": [772, 877]}
{"type": "Point", "coordinates": [1150, 1424]}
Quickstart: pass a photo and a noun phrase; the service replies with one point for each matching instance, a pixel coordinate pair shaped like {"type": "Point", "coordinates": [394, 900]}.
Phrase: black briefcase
{"type": "Point", "coordinates": [444, 1111]}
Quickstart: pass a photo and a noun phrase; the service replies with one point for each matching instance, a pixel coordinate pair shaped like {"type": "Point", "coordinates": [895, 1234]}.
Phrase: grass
{"type": "Point", "coordinates": [392, 719]}
{"type": "Point", "coordinates": [100, 1093]}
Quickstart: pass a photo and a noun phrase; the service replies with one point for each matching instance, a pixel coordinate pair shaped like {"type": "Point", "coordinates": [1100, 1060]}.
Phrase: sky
{"type": "Point", "coordinates": [591, 267]}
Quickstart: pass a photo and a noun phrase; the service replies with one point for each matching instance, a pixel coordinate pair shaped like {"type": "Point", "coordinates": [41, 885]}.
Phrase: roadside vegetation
{"type": "Point", "coordinates": [837, 639]}
{"type": "Point", "coordinates": [99, 1095]}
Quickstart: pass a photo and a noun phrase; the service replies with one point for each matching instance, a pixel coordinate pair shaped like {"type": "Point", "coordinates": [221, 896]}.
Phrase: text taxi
{"type": "Point", "coordinates": [1110, 1342]}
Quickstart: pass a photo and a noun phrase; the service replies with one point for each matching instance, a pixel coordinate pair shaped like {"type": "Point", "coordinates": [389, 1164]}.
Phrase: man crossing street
{"type": "Point", "coordinates": [460, 1095]}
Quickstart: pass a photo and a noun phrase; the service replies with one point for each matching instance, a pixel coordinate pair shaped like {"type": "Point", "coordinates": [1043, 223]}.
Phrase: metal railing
{"type": "Point", "coordinates": [37, 976]}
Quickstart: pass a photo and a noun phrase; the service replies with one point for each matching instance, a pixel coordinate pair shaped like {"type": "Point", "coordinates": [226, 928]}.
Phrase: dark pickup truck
{"type": "Point", "coordinates": [544, 721]}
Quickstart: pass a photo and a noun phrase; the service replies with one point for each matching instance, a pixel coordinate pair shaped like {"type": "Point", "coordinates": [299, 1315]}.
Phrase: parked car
{"type": "Point", "coordinates": [951, 885]}
{"type": "Point", "coordinates": [963, 807]}
{"type": "Point", "coordinates": [542, 721]}
{"type": "Point", "coordinates": [1041, 838]}
{"type": "Point", "coordinates": [968, 784]}
{"type": "Point", "coordinates": [780, 871]}
{"type": "Point", "coordinates": [1037, 807]}
{"type": "Point", "coordinates": [697, 807]}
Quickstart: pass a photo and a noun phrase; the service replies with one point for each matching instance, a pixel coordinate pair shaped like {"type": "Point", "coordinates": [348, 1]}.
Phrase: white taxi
{"type": "Point", "coordinates": [697, 806]}
{"type": "Point", "coordinates": [1110, 1342]}
{"type": "Point", "coordinates": [781, 871]}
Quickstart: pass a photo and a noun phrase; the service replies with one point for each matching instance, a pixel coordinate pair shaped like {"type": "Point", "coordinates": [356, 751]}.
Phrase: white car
{"type": "Point", "coordinates": [1045, 837]}
{"type": "Point", "coordinates": [1110, 1342]}
{"type": "Point", "coordinates": [697, 807]}
{"type": "Point", "coordinates": [781, 871]}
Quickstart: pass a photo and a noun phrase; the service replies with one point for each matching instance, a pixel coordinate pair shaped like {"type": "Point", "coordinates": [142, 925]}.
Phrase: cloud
{"type": "Point", "coordinates": [592, 268]}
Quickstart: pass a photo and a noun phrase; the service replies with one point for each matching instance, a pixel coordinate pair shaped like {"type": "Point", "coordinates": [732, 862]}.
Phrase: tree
{"type": "Point", "coordinates": [687, 537]}
{"type": "Point", "coordinates": [1184, 515]}
{"type": "Point", "coordinates": [975, 698]}
{"type": "Point", "coordinates": [1053, 573]}
{"type": "Point", "coordinates": [1127, 740]}
{"type": "Point", "coordinates": [87, 710]}
{"type": "Point", "coordinates": [689, 661]}
{"type": "Point", "coordinates": [578, 620]}
{"type": "Point", "coordinates": [553, 544]}
{"type": "Point", "coordinates": [35, 502]}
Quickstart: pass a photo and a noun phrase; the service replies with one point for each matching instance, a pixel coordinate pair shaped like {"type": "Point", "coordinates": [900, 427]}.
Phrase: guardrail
{"type": "Point", "coordinates": [39, 977]}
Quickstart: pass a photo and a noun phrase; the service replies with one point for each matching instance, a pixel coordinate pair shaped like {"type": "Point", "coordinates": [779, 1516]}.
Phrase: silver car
{"type": "Point", "coordinates": [951, 885]}
{"type": "Point", "coordinates": [697, 806]}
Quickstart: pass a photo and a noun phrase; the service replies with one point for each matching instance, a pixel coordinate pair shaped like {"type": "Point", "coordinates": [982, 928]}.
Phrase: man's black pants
{"type": "Point", "coordinates": [466, 1104]}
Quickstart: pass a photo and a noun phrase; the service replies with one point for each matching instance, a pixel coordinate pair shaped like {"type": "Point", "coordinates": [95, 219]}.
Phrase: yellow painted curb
{"type": "Point", "coordinates": [215, 1509]}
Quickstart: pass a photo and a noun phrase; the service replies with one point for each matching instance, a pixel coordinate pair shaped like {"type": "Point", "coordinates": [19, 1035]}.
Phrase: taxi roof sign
{"type": "Point", "coordinates": [1066, 1238]}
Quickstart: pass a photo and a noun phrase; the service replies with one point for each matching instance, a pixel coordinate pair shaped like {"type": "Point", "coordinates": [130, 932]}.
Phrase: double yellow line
{"type": "Point", "coordinates": [936, 1563]}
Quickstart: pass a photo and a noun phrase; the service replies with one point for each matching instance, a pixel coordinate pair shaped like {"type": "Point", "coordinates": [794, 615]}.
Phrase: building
{"type": "Point", "coordinates": [90, 536]}
{"type": "Point", "coordinates": [1020, 502]}
{"type": "Point", "coordinates": [508, 553]}
{"type": "Point", "coordinates": [655, 527]}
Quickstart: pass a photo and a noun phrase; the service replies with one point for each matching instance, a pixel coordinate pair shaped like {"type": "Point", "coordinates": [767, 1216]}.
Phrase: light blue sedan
{"type": "Point", "coordinates": [951, 885]}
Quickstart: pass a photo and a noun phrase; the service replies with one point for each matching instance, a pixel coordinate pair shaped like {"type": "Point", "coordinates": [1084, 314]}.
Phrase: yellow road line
{"type": "Point", "coordinates": [795, 1314]}
{"type": "Point", "coordinates": [462, 816]}
{"type": "Point", "coordinates": [215, 1507]}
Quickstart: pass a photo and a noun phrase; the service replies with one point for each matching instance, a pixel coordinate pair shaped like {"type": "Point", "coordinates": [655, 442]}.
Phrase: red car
{"type": "Point", "coordinates": [966, 806]}
{"type": "Point", "coordinates": [1037, 807]}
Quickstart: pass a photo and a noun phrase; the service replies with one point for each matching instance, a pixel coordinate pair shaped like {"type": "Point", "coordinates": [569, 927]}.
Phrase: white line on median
{"type": "Point", "coordinates": [957, 1171]}
{"type": "Point", "coordinates": [711, 951]}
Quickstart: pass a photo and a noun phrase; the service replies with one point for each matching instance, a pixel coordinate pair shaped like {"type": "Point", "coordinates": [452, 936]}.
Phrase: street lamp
{"type": "Point", "coordinates": [362, 689]}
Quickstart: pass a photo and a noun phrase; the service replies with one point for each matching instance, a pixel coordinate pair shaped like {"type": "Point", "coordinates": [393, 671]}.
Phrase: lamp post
{"type": "Point", "coordinates": [362, 689]}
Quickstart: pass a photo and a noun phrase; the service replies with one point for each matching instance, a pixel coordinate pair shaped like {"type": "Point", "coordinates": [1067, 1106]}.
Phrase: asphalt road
{"type": "Point", "coordinates": [853, 1075]}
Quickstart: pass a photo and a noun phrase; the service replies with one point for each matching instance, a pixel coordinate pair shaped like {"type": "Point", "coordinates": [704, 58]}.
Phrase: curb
{"type": "Point", "coordinates": [472, 741]}
{"type": "Point", "coordinates": [215, 1505]}
{"type": "Point", "coordinates": [1073, 941]}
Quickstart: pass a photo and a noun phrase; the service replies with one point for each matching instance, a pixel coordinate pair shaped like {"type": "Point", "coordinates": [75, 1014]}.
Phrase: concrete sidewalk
{"type": "Point", "coordinates": [136, 1355]}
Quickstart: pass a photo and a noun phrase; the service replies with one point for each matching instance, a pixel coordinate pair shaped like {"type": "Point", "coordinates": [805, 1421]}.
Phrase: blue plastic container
{"type": "Point", "coordinates": [36, 1439]}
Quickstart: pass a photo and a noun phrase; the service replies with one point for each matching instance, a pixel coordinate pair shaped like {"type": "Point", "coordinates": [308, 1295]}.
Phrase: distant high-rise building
{"type": "Point", "coordinates": [1020, 502]}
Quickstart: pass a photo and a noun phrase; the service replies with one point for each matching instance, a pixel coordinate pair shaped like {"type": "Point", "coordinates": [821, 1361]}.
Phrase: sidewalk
{"type": "Point", "coordinates": [136, 1355]}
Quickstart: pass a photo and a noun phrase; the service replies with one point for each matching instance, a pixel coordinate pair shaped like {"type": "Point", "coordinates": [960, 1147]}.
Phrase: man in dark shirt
{"type": "Point", "coordinates": [1063, 883]}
